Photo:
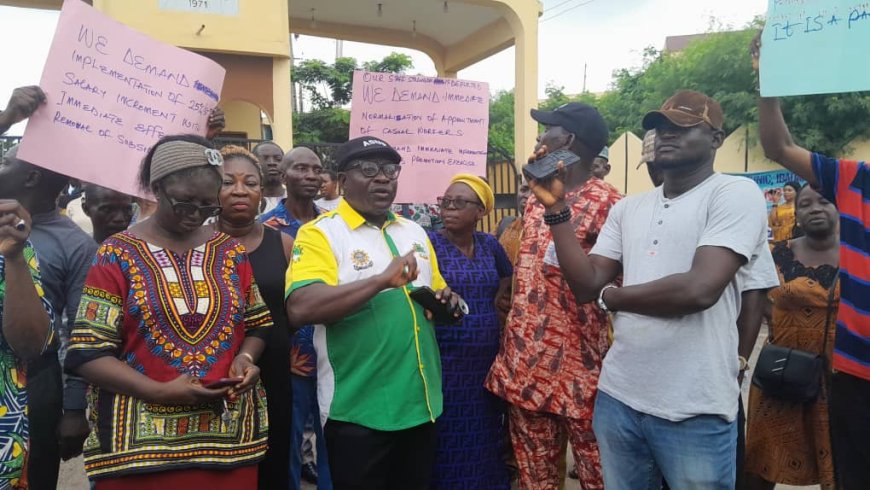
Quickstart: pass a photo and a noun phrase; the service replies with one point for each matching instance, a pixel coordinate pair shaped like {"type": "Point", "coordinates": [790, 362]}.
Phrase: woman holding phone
{"type": "Point", "coordinates": [168, 332]}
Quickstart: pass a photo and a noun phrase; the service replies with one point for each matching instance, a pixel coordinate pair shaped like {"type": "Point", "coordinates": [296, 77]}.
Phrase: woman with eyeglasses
{"type": "Point", "coordinates": [474, 264]}
{"type": "Point", "coordinates": [269, 252]}
{"type": "Point", "coordinates": [168, 333]}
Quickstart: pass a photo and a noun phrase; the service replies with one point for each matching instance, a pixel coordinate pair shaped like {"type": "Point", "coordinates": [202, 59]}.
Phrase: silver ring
{"type": "Point", "coordinates": [20, 225]}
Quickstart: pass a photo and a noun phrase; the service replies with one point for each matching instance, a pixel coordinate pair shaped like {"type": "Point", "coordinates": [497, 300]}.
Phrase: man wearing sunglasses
{"type": "Point", "coordinates": [379, 369]}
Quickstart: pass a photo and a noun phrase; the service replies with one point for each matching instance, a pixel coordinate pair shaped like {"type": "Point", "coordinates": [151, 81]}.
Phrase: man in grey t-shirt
{"type": "Point", "coordinates": [668, 390]}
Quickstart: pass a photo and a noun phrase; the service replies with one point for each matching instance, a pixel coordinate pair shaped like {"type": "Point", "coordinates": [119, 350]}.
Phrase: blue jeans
{"type": "Point", "coordinates": [305, 410]}
{"type": "Point", "coordinates": [638, 449]}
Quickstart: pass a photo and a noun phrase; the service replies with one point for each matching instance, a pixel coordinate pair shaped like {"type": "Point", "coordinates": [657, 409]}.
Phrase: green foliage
{"type": "Point", "coordinates": [501, 121]}
{"type": "Point", "coordinates": [392, 63]}
{"type": "Point", "coordinates": [718, 65]}
{"type": "Point", "coordinates": [828, 123]}
{"type": "Point", "coordinates": [329, 87]}
{"type": "Point", "coordinates": [316, 78]}
{"type": "Point", "coordinates": [556, 97]}
{"type": "Point", "coordinates": [329, 125]}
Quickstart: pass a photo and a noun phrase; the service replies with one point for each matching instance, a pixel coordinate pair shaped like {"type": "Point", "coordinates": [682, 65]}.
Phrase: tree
{"type": "Point", "coordinates": [501, 116]}
{"type": "Point", "coordinates": [329, 87]}
{"type": "Point", "coordinates": [329, 125]}
{"type": "Point", "coordinates": [392, 63]}
{"type": "Point", "coordinates": [718, 65]}
{"type": "Point", "coordinates": [556, 97]}
{"type": "Point", "coordinates": [501, 121]}
{"type": "Point", "coordinates": [326, 85]}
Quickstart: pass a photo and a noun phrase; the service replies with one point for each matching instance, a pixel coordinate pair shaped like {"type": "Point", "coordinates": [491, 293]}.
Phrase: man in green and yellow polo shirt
{"type": "Point", "coordinates": [379, 369]}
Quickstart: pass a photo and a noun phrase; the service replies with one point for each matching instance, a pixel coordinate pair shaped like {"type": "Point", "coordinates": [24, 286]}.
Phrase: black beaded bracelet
{"type": "Point", "coordinates": [562, 216]}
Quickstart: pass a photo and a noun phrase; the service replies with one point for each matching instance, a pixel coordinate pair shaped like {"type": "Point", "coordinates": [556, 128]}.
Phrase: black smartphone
{"type": "Point", "coordinates": [546, 167]}
{"type": "Point", "coordinates": [442, 313]}
{"type": "Point", "coordinates": [222, 383]}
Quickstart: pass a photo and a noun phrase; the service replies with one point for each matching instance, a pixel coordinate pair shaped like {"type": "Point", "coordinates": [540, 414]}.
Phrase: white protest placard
{"type": "Point", "coordinates": [111, 93]}
{"type": "Point", "coordinates": [438, 125]}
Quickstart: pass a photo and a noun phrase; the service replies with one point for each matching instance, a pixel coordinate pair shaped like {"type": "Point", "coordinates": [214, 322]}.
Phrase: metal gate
{"type": "Point", "coordinates": [504, 180]}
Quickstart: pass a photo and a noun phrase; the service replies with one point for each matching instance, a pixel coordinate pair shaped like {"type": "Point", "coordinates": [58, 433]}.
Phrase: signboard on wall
{"type": "Point", "coordinates": [438, 125]}
{"type": "Point", "coordinates": [219, 7]}
{"type": "Point", "coordinates": [771, 184]}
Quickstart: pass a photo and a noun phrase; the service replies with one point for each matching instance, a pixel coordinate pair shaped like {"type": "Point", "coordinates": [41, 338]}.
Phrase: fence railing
{"type": "Point", "coordinates": [502, 177]}
{"type": "Point", "coordinates": [7, 142]}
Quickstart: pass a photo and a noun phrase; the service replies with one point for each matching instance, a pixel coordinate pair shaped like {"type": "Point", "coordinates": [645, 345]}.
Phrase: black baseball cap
{"type": "Point", "coordinates": [365, 146]}
{"type": "Point", "coordinates": [582, 120]}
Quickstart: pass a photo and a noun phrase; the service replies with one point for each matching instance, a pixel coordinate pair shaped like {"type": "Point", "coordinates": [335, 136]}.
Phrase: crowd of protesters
{"type": "Point", "coordinates": [254, 318]}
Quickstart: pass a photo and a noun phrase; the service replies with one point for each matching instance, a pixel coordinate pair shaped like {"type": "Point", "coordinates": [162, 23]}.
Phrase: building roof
{"type": "Point", "coordinates": [675, 44]}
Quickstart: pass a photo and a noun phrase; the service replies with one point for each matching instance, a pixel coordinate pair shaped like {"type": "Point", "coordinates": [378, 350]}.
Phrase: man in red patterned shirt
{"type": "Point", "coordinates": [551, 352]}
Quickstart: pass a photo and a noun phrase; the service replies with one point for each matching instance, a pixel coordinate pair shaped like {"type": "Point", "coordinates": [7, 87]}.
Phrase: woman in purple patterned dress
{"type": "Point", "coordinates": [475, 266]}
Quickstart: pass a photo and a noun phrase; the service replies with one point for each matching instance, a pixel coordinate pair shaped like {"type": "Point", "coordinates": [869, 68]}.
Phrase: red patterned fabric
{"type": "Point", "coordinates": [538, 439]}
{"type": "Point", "coordinates": [552, 349]}
{"type": "Point", "coordinates": [237, 479]}
{"type": "Point", "coordinates": [165, 314]}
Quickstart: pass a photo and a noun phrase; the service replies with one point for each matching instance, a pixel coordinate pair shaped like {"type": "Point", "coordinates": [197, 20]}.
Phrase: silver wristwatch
{"type": "Point", "coordinates": [601, 303]}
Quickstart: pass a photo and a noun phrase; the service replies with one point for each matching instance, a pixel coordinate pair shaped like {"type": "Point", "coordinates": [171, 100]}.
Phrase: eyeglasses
{"type": "Point", "coordinates": [372, 169]}
{"type": "Point", "coordinates": [184, 209]}
{"type": "Point", "coordinates": [456, 203]}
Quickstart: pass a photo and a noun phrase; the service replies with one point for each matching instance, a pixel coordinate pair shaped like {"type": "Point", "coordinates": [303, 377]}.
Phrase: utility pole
{"type": "Point", "coordinates": [339, 48]}
{"type": "Point", "coordinates": [294, 98]}
{"type": "Point", "coordinates": [584, 77]}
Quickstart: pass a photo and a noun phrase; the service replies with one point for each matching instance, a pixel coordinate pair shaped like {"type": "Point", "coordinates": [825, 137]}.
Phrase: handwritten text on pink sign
{"type": "Point", "coordinates": [112, 92]}
{"type": "Point", "coordinates": [439, 126]}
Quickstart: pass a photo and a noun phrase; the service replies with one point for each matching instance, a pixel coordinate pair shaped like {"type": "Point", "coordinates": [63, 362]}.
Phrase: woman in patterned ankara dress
{"type": "Point", "coordinates": [782, 217]}
{"type": "Point", "coordinates": [26, 332]}
{"type": "Point", "coordinates": [790, 442]}
{"type": "Point", "coordinates": [170, 307]}
{"type": "Point", "coordinates": [470, 431]}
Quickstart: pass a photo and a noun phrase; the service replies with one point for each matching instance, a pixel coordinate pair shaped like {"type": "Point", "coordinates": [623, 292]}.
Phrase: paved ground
{"type": "Point", "coordinates": [72, 472]}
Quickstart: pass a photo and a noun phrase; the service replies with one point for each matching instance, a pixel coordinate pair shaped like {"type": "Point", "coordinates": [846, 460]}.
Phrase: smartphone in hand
{"type": "Point", "coordinates": [546, 167]}
{"type": "Point", "coordinates": [222, 383]}
{"type": "Point", "coordinates": [442, 313]}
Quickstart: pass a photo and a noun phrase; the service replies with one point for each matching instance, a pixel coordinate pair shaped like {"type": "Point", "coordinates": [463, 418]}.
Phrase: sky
{"type": "Point", "coordinates": [604, 35]}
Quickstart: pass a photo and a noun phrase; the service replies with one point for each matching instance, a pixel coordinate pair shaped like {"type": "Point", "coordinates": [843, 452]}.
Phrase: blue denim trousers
{"type": "Point", "coordinates": [637, 449]}
{"type": "Point", "coordinates": [305, 411]}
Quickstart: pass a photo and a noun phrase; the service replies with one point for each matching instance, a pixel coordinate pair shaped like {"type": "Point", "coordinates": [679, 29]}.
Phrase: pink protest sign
{"type": "Point", "coordinates": [438, 125]}
{"type": "Point", "coordinates": [112, 92]}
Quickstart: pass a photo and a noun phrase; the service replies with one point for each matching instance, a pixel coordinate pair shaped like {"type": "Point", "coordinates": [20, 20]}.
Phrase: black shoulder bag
{"type": "Point", "coordinates": [790, 374]}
